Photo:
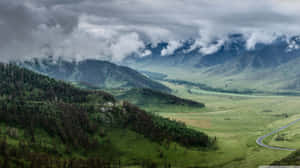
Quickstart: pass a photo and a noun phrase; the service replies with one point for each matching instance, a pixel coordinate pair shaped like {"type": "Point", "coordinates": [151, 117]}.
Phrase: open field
{"type": "Point", "coordinates": [288, 137]}
{"type": "Point", "coordinates": [237, 121]}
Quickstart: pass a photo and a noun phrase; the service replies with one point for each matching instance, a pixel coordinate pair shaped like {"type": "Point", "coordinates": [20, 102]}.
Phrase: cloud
{"type": "Point", "coordinates": [212, 48]}
{"type": "Point", "coordinates": [146, 53]}
{"type": "Point", "coordinates": [26, 27]}
{"type": "Point", "coordinates": [259, 37]}
{"type": "Point", "coordinates": [293, 44]}
{"type": "Point", "coordinates": [171, 48]}
{"type": "Point", "coordinates": [114, 29]}
{"type": "Point", "coordinates": [126, 45]}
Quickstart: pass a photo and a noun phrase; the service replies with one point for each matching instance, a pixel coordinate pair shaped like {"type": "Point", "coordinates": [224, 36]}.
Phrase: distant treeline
{"type": "Point", "coordinates": [159, 129]}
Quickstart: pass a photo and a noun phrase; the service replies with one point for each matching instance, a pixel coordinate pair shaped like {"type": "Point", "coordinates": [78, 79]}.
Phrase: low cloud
{"type": "Point", "coordinates": [146, 53]}
{"type": "Point", "coordinates": [212, 48]}
{"type": "Point", "coordinates": [259, 37]}
{"type": "Point", "coordinates": [171, 48]}
{"type": "Point", "coordinates": [126, 45]}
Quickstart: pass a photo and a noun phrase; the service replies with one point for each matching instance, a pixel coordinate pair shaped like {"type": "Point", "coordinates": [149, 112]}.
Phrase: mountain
{"type": "Point", "coordinates": [95, 73]}
{"type": "Point", "coordinates": [265, 67]}
{"type": "Point", "coordinates": [151, 98]}
{"type": "Point", "coordinates": [234, 49]}
{"type": "Point", "coordinates": [48, 123]}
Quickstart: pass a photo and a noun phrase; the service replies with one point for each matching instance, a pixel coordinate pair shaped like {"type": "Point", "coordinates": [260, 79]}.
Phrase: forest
{"type": "Point", "coordinates": [51, 123]}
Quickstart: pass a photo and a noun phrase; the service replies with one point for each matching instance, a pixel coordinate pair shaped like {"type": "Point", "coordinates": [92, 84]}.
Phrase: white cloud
{"type": "Point", "coordinates": [146, 53]}
{"type": "Point", "coordinates": [126, 45]}
{"type": "Point", "coordinates": [212, 48]}
{"type": "Point", "coordinates": [259, 37]}
{"type": "Point", "coordinates": [293, 44]}
{"type": "Point", "coordinates": [171, 48]}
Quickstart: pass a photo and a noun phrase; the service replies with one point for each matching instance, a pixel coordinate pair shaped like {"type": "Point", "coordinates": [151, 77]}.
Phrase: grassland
{"type": "Point", "coordinates": [288, 137]}
{"type": "Point", "coordinates": [236, 121]}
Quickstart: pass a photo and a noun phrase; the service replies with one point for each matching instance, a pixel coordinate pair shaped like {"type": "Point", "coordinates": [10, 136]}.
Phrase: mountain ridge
{"type": "Point", "coordinates": [270, 67]}
{"type": "Point", "coordinates": [102, 74]}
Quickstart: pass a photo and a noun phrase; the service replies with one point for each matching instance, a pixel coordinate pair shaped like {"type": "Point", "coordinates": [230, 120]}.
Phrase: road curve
{"type": "Point", "coordinates": [259, 140]}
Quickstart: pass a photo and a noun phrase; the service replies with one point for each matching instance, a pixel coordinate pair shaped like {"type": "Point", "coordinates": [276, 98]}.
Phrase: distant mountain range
{"type": "Point", "coordinates": [263, 55]}
{"type": "Point", "coordinates": [95, 73]}
{"type": "Point", "coordinates": [273, 66]}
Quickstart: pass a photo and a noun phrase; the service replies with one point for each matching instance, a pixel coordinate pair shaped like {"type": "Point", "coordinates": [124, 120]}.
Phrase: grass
{"type": "Point", "coordinates": [289, 137]}
{"type": "Point", "coordinates": [119, 145]}
{"type": "Point", "coordinates": [237, 121]}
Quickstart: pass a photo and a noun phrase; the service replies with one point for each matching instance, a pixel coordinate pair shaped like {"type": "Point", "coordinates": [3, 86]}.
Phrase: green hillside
{"type": "Point", "coordinates": [101, 74]}
{"type": "Point", "coordinates": [292, 160]}
{"type": "Point", "coordinates": [46, 123]}
{"type": "Point", "coordinates": [147, 98]}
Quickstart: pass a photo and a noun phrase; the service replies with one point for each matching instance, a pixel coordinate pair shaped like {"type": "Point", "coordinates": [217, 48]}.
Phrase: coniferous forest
{"type": "Point", "coordinates": [49, 123]}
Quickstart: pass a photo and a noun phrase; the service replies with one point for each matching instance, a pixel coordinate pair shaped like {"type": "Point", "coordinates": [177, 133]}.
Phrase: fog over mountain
{"type": "Point", "coordinates": [114, 29]}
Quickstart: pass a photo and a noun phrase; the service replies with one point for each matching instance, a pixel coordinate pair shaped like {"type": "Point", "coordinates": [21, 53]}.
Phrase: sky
{"type": "Point", "coordinates": [114, 29]}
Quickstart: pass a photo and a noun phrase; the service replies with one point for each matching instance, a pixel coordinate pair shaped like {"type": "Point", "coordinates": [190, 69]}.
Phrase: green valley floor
{"type": "Point", "coordinates": [237, 121]}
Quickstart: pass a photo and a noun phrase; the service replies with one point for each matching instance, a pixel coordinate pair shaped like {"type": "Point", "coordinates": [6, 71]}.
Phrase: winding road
{"type": "Point", "coordinates": [259, 141]}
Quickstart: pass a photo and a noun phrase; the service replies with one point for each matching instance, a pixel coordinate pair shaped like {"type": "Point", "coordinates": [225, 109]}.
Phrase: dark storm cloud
{"type": "Point", "coordinates": [15, 21]}
{"type": "Point", "coordinates": [25, 25]}
{"type": "Point", "coordinates": [113, 29]}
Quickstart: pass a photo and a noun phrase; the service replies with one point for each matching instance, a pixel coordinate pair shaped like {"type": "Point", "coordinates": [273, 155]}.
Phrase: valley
{"type": "Point", "coordinates": [237, 121]}
{"type": "Point", "coordinates": [233, 118]}
{"type": "Point", "coordinates": [149, 83]}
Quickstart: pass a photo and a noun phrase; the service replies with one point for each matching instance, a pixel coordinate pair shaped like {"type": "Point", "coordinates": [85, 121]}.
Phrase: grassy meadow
{"type": "Point", "coordinates": [236, 121]}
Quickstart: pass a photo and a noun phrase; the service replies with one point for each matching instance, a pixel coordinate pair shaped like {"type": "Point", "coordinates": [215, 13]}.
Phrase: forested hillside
{"type": "Point", "coordinates": [47, 123]}
{"type": "Point", "coordinates": [148, 97]}
{"type": "Point", "coordinates": [292, 160]}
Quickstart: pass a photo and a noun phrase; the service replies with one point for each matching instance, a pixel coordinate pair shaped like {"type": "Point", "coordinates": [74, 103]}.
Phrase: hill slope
{"type": "Point", "coordinates": [148, 98]}
{"type": "Point", "coordinates": [101, 74]}
{"type": "Point", "coordinates": [52, 124]}
{"type": "Point", "coordinates": [292, 160]}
